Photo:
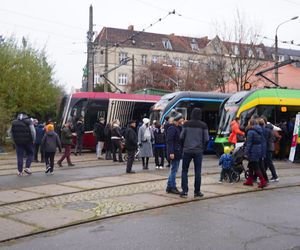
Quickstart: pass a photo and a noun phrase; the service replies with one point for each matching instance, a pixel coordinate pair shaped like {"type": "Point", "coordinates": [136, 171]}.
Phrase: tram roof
{"type": "Point", "coordinates": [195, 94]}
{"type": "Point", "coordinates": [108, 95]}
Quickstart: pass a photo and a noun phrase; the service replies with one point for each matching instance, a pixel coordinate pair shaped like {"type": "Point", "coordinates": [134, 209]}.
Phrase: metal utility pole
{"type": "Point", "coordinates": [90, 54]}
{"type": "Point", "coordinates": [106, 66]}
{"type": "Point", "coordinates": [133, 76]}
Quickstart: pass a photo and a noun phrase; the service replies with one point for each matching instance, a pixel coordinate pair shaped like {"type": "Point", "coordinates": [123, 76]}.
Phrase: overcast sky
{"type": "Point", "coordinates": [61, 25]}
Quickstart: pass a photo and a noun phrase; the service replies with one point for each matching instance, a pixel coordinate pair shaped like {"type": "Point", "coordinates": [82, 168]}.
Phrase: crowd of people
{"type": "Point", "coordinates": [175, 141]}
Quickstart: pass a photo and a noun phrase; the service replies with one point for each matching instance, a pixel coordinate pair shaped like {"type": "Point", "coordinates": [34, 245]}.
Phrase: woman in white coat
{"type": "Point", "coordinates": [145, 139]}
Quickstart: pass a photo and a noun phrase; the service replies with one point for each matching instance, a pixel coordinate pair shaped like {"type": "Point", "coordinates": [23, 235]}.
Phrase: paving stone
{"type": "Point", "coordinates": [147, 200]}
{"type": "Point", "coordinates": [51, 217]}
{"type": "Point", "coordinates": [17, 195]}
{"type": "Point", "coordinates": [51, 189]}
{"type": "Point", "coordinates": [119, 179]}
{"type": "Point", "coordinates": [87, 184]}
{"type": "Point", "coordinates": [223, 188]}
{"type": "Point", "coordinates": [145, 176]}
{"type": "Point", "coordinates": [10, 228]}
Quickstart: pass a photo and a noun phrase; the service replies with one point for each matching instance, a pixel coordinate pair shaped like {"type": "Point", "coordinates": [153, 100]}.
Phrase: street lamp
{"type": "Point", "coordinates": [276, 47]}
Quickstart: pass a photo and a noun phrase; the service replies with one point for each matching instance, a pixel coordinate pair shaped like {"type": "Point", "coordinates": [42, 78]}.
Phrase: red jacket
{"type": "Point", "coordinates": [235, 128]}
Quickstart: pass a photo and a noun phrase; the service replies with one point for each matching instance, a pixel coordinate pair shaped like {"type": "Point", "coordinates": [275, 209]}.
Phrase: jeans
{"type": "Point", "coordinates": [172, 174]}
{"type": "Point", "coordinates": [67, 154]}
{"type": "Point", "coordinates": [159, 154]}
{"type": "Point", "coordinates": [49, 160]}
{"type": "Point", "coordinates": [131, 154]}
{"type": "Point", "coordinates": [99, 148]}
{"type": "Point", "coordinates": [116, 146]}
{"type": "Point", "coordinates": [186, 160]}
{"type": "Point", "coordinates": [227, 171]}
{"type": "Point", "coordinates": [269, 164]}
{"type": "Point", "coordinates": [20, 150]}
{"type": "Point", "coordinates": [78, 147]}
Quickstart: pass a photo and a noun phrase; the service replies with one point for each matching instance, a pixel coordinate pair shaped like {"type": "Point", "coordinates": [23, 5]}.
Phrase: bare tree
{"type": "Point", "coordinates": [245, 54]}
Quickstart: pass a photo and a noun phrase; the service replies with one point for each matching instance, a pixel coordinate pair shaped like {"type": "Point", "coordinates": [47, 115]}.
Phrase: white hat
{"type": "Point", "coordinates": [146, 120]}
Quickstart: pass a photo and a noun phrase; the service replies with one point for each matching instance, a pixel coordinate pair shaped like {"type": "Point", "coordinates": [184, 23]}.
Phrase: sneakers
{"type": "Point", "coordinates": [161, 167]}
{"type": "Point", "coordinates": [172, 190]}
{"type": "Point", "coordinates": [47, 169]}
{"type": "Point", "coordinates": [71, 164]}
{"type": "Point", "coordinates": [274, 179]}
{"type": "Point", "coordinates": [59, 164]}
{"type": "Point", "coordinates": [198, 195]}
{"type": "Point", "coordinates": [20, 173]}
{"type": "Point", "coordinates": [220, 181]}
{"type": "Point", "coordinates": [157, 167]}
{"type": "Point", "coordinates": [183, 194]}
{"type": "Point", "coordinates": [130, 172]}
{"type": "Point", "coordinates": [27, 171]}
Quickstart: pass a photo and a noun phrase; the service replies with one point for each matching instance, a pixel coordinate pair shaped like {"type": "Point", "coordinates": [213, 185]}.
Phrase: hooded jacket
{"type": "Point", "coordinates": [50, 142]}
{"type": "Point", "coordinates": [255, 144]}
{"type": "Point", "coordinates": [269, 137]}
{"type": "Point", "coordinates": [22, 130]}
{"type": "Point", "coordinates": [194, 135]}
{"type": "Point", "coordinates": [235, 130]}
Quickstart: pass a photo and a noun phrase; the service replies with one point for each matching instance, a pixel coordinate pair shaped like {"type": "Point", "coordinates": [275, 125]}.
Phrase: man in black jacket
{"type": "Point", "coordinates": [100, 136]}
{"type": "Point", "coordinates": [23, 135]}
{"type": "Point", "coordinates": [79, 129]}
{"type": "Point", "coordinates": [131, 145]}
{"type": "Point", "coordinates": [194, 137]}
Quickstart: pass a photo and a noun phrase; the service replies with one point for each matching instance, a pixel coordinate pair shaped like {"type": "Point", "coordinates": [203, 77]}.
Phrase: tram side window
{"type": "Point", "coordinates": [268, 111]}
{"type": "Point", "coordinates": [77, 111]}
{"type": "Point", "coordinates": [95, 110]}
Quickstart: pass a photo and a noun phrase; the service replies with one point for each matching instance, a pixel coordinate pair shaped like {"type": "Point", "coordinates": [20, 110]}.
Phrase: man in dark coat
{"type": "Point", "coordinates": [40, 131]}
{"type": "Point", "coordinates": [99, 128]}
{"type": "Point", "coordinates": [23, 135]}
{"type": "Point", "coordinates": [79, 129]}
{"type": "Point", "coordinates": [131, 143]}
{"type": "Point", "coordinates": [174, 152]}
{"type": "Point", "coordinates": [194, 137]}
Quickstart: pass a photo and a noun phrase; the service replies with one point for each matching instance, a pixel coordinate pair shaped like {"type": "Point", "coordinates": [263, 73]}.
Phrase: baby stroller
{"type": "Point", "coordinates": [238, 166]}
{"type": "Point", "coordinates": [136, 155]}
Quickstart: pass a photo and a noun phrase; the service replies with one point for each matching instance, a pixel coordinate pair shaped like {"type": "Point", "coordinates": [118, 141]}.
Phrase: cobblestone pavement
{"type": "Point", "coordinates": [45, 207]}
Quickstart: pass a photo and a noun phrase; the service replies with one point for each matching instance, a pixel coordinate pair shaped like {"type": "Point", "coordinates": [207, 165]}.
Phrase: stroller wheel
{"type": "Point", "coordinates": [125, 158]}
{"type": "Point", "coordinates": [235, 176]}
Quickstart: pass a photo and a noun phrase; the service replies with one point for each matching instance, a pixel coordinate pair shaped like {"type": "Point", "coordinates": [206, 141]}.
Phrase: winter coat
{"type": "Point", "coordinates": [235, 130]}
{"type": "Point", "coordinates": [66, 136]}
{"type": "Point", "coordinates": [269, 137]}
{"type": "Point", "coordinates": [116, 132]}
{"type": "Point", "coordinates": [40, 131]}
{"type": "Point", "coordinates": [254, 144]}
{"type": "Point", "coordinates": [226, 161]}
{"type": "Point", "coordinates": [194, 135]}
{"type": "Point", "coordinates": [22, 130]}
{"type": "Point", "coordinates": [131, 140]}
{"type": "Point", "coordinates": [99, 131]}
{"type": "Point", "coordinates": [159, 138]}
{"type": "Point", "coordinates": [145, 143]}
{"type": "Point", "coordinates": [50, 142]}
{"type": "Point", "coordinates": [173, 142]}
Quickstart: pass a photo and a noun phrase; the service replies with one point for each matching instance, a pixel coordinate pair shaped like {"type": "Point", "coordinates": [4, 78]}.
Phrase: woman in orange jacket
{"type": "Point", "coordinates": [235, 130]}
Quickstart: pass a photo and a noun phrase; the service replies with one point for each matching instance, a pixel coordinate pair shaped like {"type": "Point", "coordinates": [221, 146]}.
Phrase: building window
{"type": "Point", "coordinates": [194, 44]}
{"type": "Point", "coordinates": [123, 79]}
{"type": "Point", "coordinates": [167, 44]}
{"type": "Point", "coordinates": [122, 56]}
{"type": "Point", "coordinates": [177, 62]}
{"type": "Point", "coordinates": [97, 78]}
{"type": "Point", "coordinates": [250, 53]}
{"type": "Point", "coordinates": [144, 59]}
{"type": "Point", "coordinates": [236, 50]}
{"type": "Point", "coordinates": [154, 59]}
{"type": "Point", "coordinates": [260, 53]}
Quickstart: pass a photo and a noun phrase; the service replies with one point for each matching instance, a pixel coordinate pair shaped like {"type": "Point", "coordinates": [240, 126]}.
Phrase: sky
{"type": "Point", "coordinates": [60, 26]}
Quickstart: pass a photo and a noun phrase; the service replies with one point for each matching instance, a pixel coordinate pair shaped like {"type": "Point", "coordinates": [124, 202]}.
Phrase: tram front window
{"type": "Point", "coordinates": [228, 114]}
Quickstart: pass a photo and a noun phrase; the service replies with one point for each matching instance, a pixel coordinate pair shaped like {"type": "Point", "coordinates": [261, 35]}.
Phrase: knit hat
{"type": "Point", "coordinates": [177, 117]}
{"type": "Point", "coordinates": [146, 120]}
{"type": "Point", "coordinates": [50, 127]}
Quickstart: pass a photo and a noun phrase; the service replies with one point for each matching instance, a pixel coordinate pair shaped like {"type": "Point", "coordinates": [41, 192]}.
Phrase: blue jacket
{"type": "Point", "coordinates": [40, 131]}
{"type": "Point", "coordinates": [173, 142]}
{"type": "Point", "coordinates": [226, 161]}
{"type": "Point", "coordinates": [255, 144]}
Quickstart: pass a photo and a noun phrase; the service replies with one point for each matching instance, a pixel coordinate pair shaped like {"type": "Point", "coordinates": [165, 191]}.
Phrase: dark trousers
{"type": "Point", "coordinates": [108, 147]}
{"type": "Point", "coordinates": [227, 171]}
{"type": "Point", "coordinates": [20, 150]}
{"type": "Point", "coordinates": [36, 152]}
{"type": "Point", "coordinates": [131, 154]}
{"type": "Point", "coordinates": [66, 154]}
{"type": "Point", "coordinates": [159, 154]}
{"type": "Point", "coordinates": [269, 164]}
{"type": "Point", "coordinates": [186, 160]}
{"type": "Point", "coordinates": [116, 145]}
{"type": "Point", "coordinates": [49, 160]}
{"type": "Point", "coordinates": [78, 147]}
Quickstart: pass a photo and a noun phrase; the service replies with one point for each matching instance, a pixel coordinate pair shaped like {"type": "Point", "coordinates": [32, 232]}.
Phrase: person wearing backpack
{"type": "Point", "coordinates": [49, 144]}
{"type": "Point", "coordinates": [159, 146]}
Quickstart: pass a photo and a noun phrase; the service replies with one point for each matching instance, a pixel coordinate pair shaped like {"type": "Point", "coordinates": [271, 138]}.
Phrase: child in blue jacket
{"type": "Point", "coordinates": [225, 162]}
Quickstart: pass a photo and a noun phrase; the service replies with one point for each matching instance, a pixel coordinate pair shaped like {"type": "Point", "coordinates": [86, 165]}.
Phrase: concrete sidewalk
{"type": "Point", "coordinates": [40, 208]}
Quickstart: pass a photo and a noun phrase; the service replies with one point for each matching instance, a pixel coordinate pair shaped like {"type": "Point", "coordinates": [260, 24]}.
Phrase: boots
{"type": "Point", "coordinates": [263, 183]}
{"type": "Point", "coordinates": [249, 181]}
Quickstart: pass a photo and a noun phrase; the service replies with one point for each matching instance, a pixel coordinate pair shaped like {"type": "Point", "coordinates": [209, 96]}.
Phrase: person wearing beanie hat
{"type": "Point", "coordinates": [49, 144]}
{"type": "Point", "coordinates": [145, 138]}
{"type": "Point", "coordinates": [174, 152]}
{"type": "Point", "coordinates": [194, 137]}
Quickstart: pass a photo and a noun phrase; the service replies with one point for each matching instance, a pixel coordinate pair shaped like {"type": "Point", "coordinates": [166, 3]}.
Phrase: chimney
{"type": "Point", "coordinates": [131, 27]}
{"type": "Point", "coordinates": [172, 34]}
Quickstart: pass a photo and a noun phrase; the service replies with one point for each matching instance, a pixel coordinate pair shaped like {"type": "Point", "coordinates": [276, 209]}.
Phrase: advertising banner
{"type": "Point", "coordinates": [295, 146]}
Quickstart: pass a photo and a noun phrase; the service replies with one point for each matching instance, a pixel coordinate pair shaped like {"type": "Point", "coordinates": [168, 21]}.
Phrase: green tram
{"type": "Point", "coordinates": [275, 103]}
